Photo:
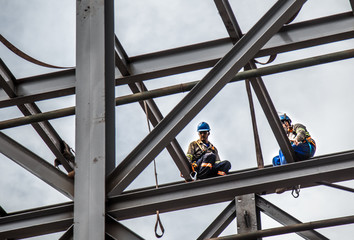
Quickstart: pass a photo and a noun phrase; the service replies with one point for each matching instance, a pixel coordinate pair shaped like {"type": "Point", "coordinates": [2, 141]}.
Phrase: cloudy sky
{"type": "Point", "coordinates": [319, 97]}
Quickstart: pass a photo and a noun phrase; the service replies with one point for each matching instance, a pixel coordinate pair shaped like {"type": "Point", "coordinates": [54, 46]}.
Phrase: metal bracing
{"type": "Point", "coordinates": [194, 57]}
{"type": "Point", "coordinates": [333, 168]}
{"type": "Point", "coordinates": [201, 94]}
{"type": "Point", "coordinates": [220, 222]}
{"type": "Point", "coordinates": [153, 113]}
{"type": "Point", "coordinates": [284, 218]}
{"type": "Point", "coordinates": [137, 203]}
{"type": "Point", "coordinates": [229, 214]}
{"type": "Point", "coordinates": [100, 201]}
{"type": "Point", "coordinates": [180, 88]}
{"type": "Point", "coordinates": [248, 217]}
{"type": "Point", "coordinates": [36, 165]}
{"type": "Point", "coordinates": [290, 229]}
{"type": "Point", "coordinates": [44, 129]}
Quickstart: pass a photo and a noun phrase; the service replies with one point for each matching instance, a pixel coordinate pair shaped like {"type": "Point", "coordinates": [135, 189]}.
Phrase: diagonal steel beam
{"type": "Point", "coordinates": [229, 19]}
{"type": "Point", "coordinates": [36, 165]}
{"type": "Point", "coordinates": [286, 219]}
{"type": "Point", "coordinates": [221, 222]}
{"type": "Point", "coordinates": [200, 95]}
{"type": "Point", "coordinates": [152, 112]}
{"type": "Point", "coordinates": [235, 33]}
{"type": "Point", "coordinates": [44, 129]}
{"type": "Point", "coordinates": [119, 231]}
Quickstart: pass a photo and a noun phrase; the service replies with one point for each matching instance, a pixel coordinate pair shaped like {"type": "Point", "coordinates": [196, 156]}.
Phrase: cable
{"type": "Point", "coordinates": [158, 220]}
{"type": "Point", "coordinates": [23, 55]}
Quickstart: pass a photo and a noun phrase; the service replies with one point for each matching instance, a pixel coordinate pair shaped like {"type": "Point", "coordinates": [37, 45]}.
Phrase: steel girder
{"type": "Point", "coordinates": [332, 168]}
{"type": "Point", "coordinates": [193, 57]}
{"type": "Point", "coordinates": [176, 196]}
{"type": "Point", "coordinates": [152, 112]}
{"type": "Point", "coordinates": [36, 165]}
{"type": "Point", "coordinates": [95, 115]}
{"type": "Point", "coordinates": [229, 214]}
{"type": "Point", "coordinates": [44, 129]}
{"type": "Point", "coordinates": [201, 94]}
{"type": "Point", "coordinates": [180, 88]}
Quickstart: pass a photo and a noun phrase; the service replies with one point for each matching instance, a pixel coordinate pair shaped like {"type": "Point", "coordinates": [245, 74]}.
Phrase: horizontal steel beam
{"type": "Point", "coordinates": [331, 168]}
{"type": "Point", "coordinates": [176, 196]}
{"type": "Point", "coordinates": [290, 229]}
{"type": "Point", "coordinates": [37, 222]}
{"type": "Point", "coordinates": [188, 58]}
{"type": "Point", "coordinates": [180, 88]}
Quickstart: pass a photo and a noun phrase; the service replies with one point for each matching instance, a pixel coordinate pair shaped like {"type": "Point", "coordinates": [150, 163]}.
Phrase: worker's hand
{"type": "Point", "coordinates": [194, 166]}
{"type": "Point", "coordinates": [296, 142]}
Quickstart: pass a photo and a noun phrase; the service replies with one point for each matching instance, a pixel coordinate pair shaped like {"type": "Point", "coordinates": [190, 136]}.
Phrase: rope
{"type": "Point", "coordinates": [23, 55]}
{"type": "Point", "coordinates": [158, 220]}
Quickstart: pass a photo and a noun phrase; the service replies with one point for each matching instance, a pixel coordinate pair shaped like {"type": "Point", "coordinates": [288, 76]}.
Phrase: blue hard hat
{"type": "Point", "coordinates": [285, 117]}
{"type": "Point", "coordinates": [203, 127]}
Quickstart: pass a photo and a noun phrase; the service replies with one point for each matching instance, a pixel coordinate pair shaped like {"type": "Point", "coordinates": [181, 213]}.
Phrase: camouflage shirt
{"type": "Point", "coordinates": [298, 132]}
{"type": "Point", "coordinates": [197, 148]}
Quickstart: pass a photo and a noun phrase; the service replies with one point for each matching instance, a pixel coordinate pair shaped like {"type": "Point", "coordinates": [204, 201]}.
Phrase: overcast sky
{"type": "Point", "coordinates": [319, 97]}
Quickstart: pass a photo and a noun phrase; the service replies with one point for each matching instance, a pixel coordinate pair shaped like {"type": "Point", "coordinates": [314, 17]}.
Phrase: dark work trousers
{"type": "Point", "coordinates": [208, 168]}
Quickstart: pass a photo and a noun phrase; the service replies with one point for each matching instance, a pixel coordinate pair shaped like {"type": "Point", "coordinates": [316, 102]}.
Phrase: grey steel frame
{"type": "Point", "coordinates": [108, 182]}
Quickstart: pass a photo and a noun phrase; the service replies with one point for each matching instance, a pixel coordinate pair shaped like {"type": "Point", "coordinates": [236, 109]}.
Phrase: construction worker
{"type": "Point", "coordinates": [302, 143]}
{"type": "Point", "coordinates": [204, 156]}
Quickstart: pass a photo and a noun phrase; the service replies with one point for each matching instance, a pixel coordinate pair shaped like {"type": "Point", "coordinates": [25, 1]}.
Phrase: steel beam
{"type": "Point", "coordinates": [194, 57]}
{"type": "Point", "coordinates": [36, 222]}
{"type": "Point", "coordinates": [248, 217]}
{"type": "Point", "coordinates": [273, 118]}
{"type": "Point", "coordinates": [137, 203]}
{"type": "Point", "coordinates": [228, 17]}
{"type": "Point", "coordinates": [330, 168]}
{"type": "Point", "coordinates": [95, 115]}
{"type": "Point", "coordinates": [220, 222]}
{"type": "Point", "coordinates": [36, 165]}
{"type": "Point", "coordinates": [291, 37]}
{"type": "Point", "coordinates": [284, 218]}
{"type": "Point", "coordinates": [69, 234]}
{"type": "Point", "coordinates": [180, 88]}
{"type": "Point", "coordinates": [290, 229]}
{"type": "Point", "coordinates": [235, 34]}
{"type": "Point", "coordinates": [200, 95]}
{"type": "Point", "coordinates": [152, 112]}
{"type": "Point", "coordinates": [44, 129]}
{"type": "Point", "coordinates": [118, 231]}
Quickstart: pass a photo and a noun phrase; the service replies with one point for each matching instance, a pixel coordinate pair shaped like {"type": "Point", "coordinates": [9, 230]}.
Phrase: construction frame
{"type": "Point", "coordinates": [99, 199]}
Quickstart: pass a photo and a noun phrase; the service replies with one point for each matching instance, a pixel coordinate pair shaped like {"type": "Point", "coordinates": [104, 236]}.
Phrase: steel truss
{"type": "Point", "coordinates": [99, 199]}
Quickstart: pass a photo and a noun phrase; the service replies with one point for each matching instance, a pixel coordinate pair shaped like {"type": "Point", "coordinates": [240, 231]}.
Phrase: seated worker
{"type": "Point", "coordinates": [204, 157]}
{"type": "Point", "coordinates": [302, 143]}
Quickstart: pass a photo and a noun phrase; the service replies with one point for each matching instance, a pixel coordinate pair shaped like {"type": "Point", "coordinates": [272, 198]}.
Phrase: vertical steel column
{"type": "Point", "coordinates": [247, 215]}
{"type": "Point", "coordinates": [95, 131]}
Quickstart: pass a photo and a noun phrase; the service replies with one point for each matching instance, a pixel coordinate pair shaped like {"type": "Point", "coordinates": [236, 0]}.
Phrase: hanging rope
{"type": "Point", "coordinates": [23, 55]}
{"type": "Point", "coordinates": [158, 223]}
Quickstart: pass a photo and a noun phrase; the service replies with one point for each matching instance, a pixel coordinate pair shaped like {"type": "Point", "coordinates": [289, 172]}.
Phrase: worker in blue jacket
{"type": "Point", "coordinates": [204, 156]}
{"type": "Point", "coordinates": [301, 141]}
